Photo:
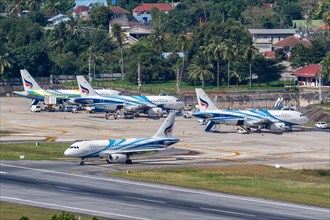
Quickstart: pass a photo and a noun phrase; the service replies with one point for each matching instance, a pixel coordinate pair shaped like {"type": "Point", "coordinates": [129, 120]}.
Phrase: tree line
{"type": "Point", "coordinates": [217, 51]}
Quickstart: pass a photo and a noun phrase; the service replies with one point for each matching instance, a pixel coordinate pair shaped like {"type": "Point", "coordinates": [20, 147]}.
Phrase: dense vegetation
{"type": "Point", "coordinates": [219, 51]}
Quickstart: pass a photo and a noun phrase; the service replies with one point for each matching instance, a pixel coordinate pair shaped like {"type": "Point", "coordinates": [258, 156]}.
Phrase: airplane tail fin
{"type": "Point", "coordinates": [204, 102]}
{"type": "Point", "coordinates": [28, 82]}
{"type": "Point", "coordinates": [85, 88]}
{"type": "Point", "coordinates": [166, 130]}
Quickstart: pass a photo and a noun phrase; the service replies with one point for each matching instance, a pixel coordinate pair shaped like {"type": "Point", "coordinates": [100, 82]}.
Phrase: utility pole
{"type": "Point", "coordinates": [89, 69]}
{"type": "Point", "coordinates": [139, 77]}
{"type": "Point", "coordinates": [178, 80]}
{"type": "Point", "coordinates": [320, 89]}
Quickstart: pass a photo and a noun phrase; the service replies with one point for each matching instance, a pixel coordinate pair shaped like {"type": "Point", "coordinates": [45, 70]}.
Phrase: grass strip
{"type": "Point", "coordinates": [10, 211]}
{"type": "Point", "coordinates": [31, 151]}
{"type": "Point", "coordinates": [311, 187]}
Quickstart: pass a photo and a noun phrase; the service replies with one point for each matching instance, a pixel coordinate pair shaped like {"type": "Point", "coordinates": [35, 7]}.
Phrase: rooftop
{"type": "Point", "coordinates": [309, 71]}
{"type": "Point", "coordinates": [118, 10]}
{"type": "Point", "coordinates": [148, 7]}
{"type": "Point", "coordinates": [291, 41]}
{"type": "Point", "coordinates": [272, 31]}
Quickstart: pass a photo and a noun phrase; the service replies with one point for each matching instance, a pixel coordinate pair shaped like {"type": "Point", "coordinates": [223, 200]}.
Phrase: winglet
{"type": "Point", "coordinates": [85, 88]}
{"type": "Point", "coordinates": [28, 82]}
{"type": "Point", "coordinates": [204, 102]}
{"type": "Point", "coordinates": [166, 130]}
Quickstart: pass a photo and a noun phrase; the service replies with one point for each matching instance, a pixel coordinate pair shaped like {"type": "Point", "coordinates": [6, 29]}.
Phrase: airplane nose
{"type": "Point", "coordinates": [66, 153]}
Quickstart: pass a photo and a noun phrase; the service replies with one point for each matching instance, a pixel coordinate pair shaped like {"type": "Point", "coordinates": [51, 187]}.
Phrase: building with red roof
{"type": "Point", "coordinates": [290, 42]}
{"type": "Point", "coordinates": [119, 12]}
{"type": "Point", "coordinates": [307, 76]}
{"type": "Point", "coordinates": [323, 27]}
{"type": "Point", "coordinates": [143, 12]}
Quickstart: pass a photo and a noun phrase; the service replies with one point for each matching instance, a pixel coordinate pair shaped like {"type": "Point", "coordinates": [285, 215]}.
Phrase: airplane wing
{"type": "Point", "coordinates": [108, 152]}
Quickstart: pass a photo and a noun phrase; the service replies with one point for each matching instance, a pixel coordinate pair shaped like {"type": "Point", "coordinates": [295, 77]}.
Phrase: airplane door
{"type": "Point", "coordinates": [240, 122]}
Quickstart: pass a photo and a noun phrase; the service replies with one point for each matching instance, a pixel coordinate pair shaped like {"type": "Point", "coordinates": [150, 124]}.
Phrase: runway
{"type": "Point", "coordinates": [58, 186]}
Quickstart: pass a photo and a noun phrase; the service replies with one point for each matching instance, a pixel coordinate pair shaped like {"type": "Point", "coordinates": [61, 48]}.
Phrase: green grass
{"type": "Point", "coordinates": [44, 151]}
{"type": "Point", "coordinates": [170, 87]}
{"type": "Point", "coordinates": [301, 186]}
{"type": "Point", "coordinates": [11, 211]}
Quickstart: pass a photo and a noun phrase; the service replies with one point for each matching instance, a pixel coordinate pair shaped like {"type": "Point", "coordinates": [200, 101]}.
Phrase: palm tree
{"type": "Point", "coordinates": [237, 76]}
{"type": "Point", "coordinates": [53, 7]}
{"type": "Point", "coordinates": [119, 38]}
{"type": "Point", "coordinates": [158, 39]}
{"type": "Point", "coordinates": [200, 68]}
{"type": "Point", "coordinates": [215, 49]}
{"type": "Point", "coordinates": [325, 66]}
{"type": "Point", "coordinates": [58, 37]}
{"type": "Point", "coordinates": [228, 53]}
{"type": "Point", "coordinates": [5, 62]}
{"type": "Point", "coordinates": [184, 44]}
{"type": "Point", "coordinates": [15, 7]}
{"type": "Point", "coordinates": [249, 55]}
{"type": "Point", "coordinates": [34, 5]}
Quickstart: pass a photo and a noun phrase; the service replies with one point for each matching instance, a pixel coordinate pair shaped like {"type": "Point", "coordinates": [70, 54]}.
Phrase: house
{"type": "Point", "coordinates": [143, 12]}
{"type": "Point", "coordinates": [81, 12]}
{"type": "Point", "coordinates": [264, 39]}
{"type": "Point", "coordinates": [307, 76]}
{"type": "Point", "coordinates": [290, 42]}
{"type": "Point", "coordinates": [119, 12]}
{"type": "Point", "coordinates": [58, 19]}
{"type": "Point", "coordinates": [132, 30]}
{"type": "Point", "coordinates": [90, 3]}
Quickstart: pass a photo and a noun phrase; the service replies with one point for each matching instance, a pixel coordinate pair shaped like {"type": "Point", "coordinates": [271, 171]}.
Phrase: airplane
{"type": "Point", "coordinates": [152, 105]}
{"type": "Point", "coordinates": [120, 150]}
{"type": "Point", "coordinates": [274, 120]}
{"type": "Point", "coordinates": [33, 91]}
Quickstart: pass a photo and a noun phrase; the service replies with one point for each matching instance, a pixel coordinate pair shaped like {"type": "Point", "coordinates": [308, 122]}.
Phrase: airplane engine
{"type": "Point", "coordinates": [278, 127]}
{"type": "Point", "coordinates": [115, 158]}
{"type": "Point", "coordinates": [155, 111]}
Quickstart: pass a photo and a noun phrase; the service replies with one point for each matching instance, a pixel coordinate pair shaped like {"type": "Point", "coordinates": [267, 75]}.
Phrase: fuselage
{"type": "Point", "coordinates": [61, 94]}
{"type": "Point", "coordinates": [252, 117]}
{"type": "Point", "coordinates": [165, 102]}
{"type": "Point", "coordinates": [102, 148]}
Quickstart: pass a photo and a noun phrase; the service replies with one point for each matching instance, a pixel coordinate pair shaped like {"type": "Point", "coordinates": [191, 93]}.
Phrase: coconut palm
{"type": "Point", "coordinates": [325, 66]}
{"type": "Point", "coordinates": [16, 7]}
{"type": "Point", "coordinates": [216, 49]}
{"type": "Point", "coordinates": [228, 54]}
{"type": "Point", "coordinates": [34, 5]}
{"type": "Point", "coordinates": [158, 39]}
{"type": "Point", "coordinates": [119, 38]}
{"type": "Point", "coordinates": [53, 7]}
{"type": "Point", "coordinates": [5, 62]}
{"type": "Point", "coordinates": [249, 54]}
{"type": "Point", "coordinates": [58, 37]}
{"type": "Point", "coordinates": [200, 68]}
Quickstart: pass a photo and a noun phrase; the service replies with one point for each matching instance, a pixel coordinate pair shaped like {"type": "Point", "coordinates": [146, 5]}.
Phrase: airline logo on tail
{"type": "Point", "coordinates": [84, 90]}
{"type": "Point", "coordinates": [204, 103]}
{"type": "Point", "coordinates": [168, 130]}
{"type": "Point", "coordinates": [28, 84]}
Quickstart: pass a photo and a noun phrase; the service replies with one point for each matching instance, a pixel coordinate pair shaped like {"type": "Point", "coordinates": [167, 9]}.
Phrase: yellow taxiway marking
{"type": "Point", "coordinates": [50, 138]}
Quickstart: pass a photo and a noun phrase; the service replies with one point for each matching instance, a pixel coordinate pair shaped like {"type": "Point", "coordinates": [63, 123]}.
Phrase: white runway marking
{"type": "Point", "coordinates": [1, 172]}
{"type": "Point", "coordinates": [147, 200]}
{"type": "Point", "coordinates": [178, 189]}
{"type": "Point", "coordinates": [223, 211]}
{"type": "Point", "coordinates": [62, 187]}
{"type": "Point", "coordinates": [70, 207]}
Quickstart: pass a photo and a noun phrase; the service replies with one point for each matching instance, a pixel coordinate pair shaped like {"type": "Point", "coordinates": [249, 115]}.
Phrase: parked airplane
{"type": "Point", "coordinates": [120, 150]}
{"type": "Point", "coordinates": [152, 105]}
{"type": "Point", "coordinates": [274, 120]}
{"type": "Point", "coordinates": [33, 91]}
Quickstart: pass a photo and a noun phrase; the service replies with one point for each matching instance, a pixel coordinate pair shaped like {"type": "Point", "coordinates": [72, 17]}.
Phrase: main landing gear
{"type": "Point", "coordinates": [82, 162]}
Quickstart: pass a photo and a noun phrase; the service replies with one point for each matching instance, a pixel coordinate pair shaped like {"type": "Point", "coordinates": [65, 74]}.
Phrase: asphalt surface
{"type": "Point", "coordinates": [55, 187]}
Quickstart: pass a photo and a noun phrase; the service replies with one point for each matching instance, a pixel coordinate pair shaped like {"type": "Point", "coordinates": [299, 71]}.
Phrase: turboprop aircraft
{"type": "Point", "coordinates": [120, 150]}
{"type": "Point", "coordinates": [33, 91]}
{"type": "Point", "coordinates": [274, 120]}
{"type": "Point", "coordinates": [151, 105]}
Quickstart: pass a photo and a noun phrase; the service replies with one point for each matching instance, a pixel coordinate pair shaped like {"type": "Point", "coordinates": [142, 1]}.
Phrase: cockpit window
{"type": "Point", "coordinates": [74, 147]}
{"type": "Point", "coordinates": [178, 100]}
